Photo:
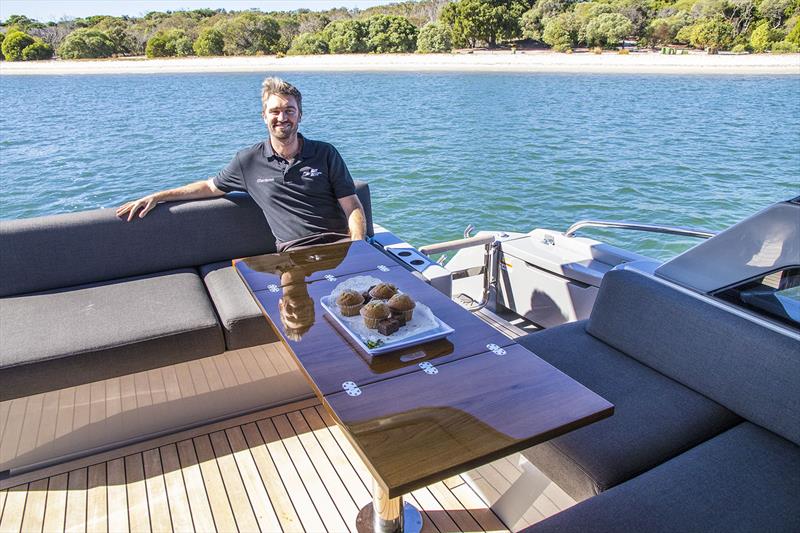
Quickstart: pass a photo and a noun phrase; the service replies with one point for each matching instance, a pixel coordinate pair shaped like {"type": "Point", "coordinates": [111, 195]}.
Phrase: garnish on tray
{"type": "Point", "coordinates": [373, 343]}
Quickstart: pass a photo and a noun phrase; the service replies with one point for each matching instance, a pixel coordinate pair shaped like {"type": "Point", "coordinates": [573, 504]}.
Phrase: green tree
{"type": "Point", "coordinates": [346, 36]}
{"type": "Point", "coordinates": [488, 21]}
{"type": "Point", "coordinates": [785, 47]}
{"type": "Point", "coordinates": [561, 31]}
{"type": "Point", "coordinates": [584, 13]}
{"type": "Point", "coordinates": [2, 38]}
{"type": "Point", "coordinates": [169, 43]}
{"type": "Point", "coordinates": [86, 43]}
{"type": "Point", "coordinates": [391, 34]}
{"type": "Point", "coordinates": [775, 11]}
{"type": "Point", "coordinates": [763, 36]}
{"type": "Point", "coordinates": [15, 42]}
{"type": "Point", "coordinates": [36, 51]}
{"type": "Point", "coordinates": [608, 30]}
{"type": "Point", "coordinates": [22, 22]}
{"type": "Point", "coordinates": [250, 34]}
{"type": "Point", "coordinates": [532, 21]}
{"type": "Point", "coordinates": [434, 38]}
{"type": "Point", "coordinates": [665, 30]}
{"type": "Point", "coordinates": [794, 34]}
{"type": "Point", "coordinates": [210, 42]}
{"type": "Point", "coordinates": [712, 34]}
{"type": "Point", "coordinates": [118, 31]}
{"type": "Point", "coordinates": [308, 44]}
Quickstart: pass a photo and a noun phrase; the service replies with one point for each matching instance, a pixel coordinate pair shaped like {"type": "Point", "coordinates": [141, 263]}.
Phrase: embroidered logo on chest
{"type": "Point", "coordinates": [265, 180]}
{"type": "Point", "coordinates": [308, 172]}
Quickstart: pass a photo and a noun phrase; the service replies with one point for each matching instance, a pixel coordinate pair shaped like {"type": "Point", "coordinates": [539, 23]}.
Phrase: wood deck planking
{"type": "Point", "coordinates": [14, 509]}
{"type": "Point", "coordinates": [330, 478]}
{"type": "Point", "coordinates": [215, 488]}
{"type": "Point", "coordinates": [117, 495]}
{"type": "Point", "coordinates": [338, 459]}
{"type": "Point", "coordinates": [16, 418]}
{"type": "Point", "coordinates": [308, 514]}
{"type": "Point", "coordinates": [47, 421]}
{"type": "Point", "coordinates": [30, 427]}
{"type": "Point", "coordinates": [179, 509]}
{"type": "Point", "coordinates": [325, 505]}
{"type": "Point", "coordinates": [251, 479]}
{"type": "Point", "coordinates": [56, 506]}
{"type": "Point", "coordinates": [276, 470]}
{"type": "Point", "coordinates": [243, 511]}
{"type": "Point", "coordinates": [160, 519]}
{"type": "Point", "coordinates": [478, 508]}
{"type": "Point", "coordinates": [138, 510]}
{"type": "Point", "coordinates": [75, 520]}
{"type": "Point", "coordinates": [97, 499]}
{"type": "Point", "coordinates": [197, 496]}
{"type": "Point", "coordinates": [33, 517]}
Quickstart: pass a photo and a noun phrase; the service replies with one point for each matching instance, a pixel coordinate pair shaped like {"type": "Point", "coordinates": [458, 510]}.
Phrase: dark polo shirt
{"type": "Point", "coordinates": [299, 199]}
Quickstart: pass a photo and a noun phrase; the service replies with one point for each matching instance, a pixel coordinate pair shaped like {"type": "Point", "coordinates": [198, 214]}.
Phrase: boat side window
{"type": "Point", "coordinates": [776, 296]}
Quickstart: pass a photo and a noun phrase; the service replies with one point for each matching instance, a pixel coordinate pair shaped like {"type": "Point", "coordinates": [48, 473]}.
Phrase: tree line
{"type": "Point", "coordinates": [427, 26]}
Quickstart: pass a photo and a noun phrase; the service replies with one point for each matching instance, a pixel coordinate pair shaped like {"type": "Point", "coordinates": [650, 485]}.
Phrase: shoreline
{"type": "Point", "coordinates": [480, 61]}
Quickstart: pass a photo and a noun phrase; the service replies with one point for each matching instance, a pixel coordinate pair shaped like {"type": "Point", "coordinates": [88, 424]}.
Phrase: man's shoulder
{"type": "Point", "coordinates": [320, 148]}
{"type": "Point", "coordinates": [257, 150]}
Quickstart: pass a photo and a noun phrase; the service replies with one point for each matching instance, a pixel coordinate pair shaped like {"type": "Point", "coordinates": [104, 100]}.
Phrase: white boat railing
{"type": "Point", "coordinates": [636, 226]}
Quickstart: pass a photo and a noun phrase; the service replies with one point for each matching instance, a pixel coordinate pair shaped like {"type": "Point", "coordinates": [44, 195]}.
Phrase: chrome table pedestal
{"type": "Point", "coordinates": [385, 515]}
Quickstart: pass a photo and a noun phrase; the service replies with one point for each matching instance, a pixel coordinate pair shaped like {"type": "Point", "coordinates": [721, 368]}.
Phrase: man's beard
{"type": "Point", "coordinates": [283, 133]}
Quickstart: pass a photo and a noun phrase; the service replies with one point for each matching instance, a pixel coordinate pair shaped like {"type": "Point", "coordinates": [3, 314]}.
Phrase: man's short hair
{"type": "Point", "coordinates": [273, 85]}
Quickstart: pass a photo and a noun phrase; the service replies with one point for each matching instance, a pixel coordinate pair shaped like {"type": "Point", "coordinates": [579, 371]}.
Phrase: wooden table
{"type": "Point", "coordinates": [421, 414]}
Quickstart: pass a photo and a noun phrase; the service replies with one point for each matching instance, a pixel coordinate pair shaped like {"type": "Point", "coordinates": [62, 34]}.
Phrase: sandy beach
{"type": "Point", "coordinates": [500, 61]}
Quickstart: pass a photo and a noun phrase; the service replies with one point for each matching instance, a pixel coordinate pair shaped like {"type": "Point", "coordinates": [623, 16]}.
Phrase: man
{"type": "Point", "coordinates": [303, 186]}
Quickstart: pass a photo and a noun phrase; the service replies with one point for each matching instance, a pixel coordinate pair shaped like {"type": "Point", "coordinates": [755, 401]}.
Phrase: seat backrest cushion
{"type": "Point", "coordinates": [43, 253]}
{"type": "Point", "coordinates": [50, 252]}
{"type": "Point", "coordinates": [752, 370]}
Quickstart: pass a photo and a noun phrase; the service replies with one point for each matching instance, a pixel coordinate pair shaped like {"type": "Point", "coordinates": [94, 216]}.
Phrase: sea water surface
{"type": "Point", "coordinates": [499, 151]}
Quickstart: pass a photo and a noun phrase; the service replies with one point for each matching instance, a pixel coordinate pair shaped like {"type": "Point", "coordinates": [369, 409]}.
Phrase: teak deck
{"type": "Point", "coordinates": [284, 469]}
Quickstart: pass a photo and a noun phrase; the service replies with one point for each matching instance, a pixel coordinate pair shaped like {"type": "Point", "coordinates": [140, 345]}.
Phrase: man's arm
{"type": "Point", "coordinates": [194, 191]}
{"type": "Point", "coordinates": [354, 212]}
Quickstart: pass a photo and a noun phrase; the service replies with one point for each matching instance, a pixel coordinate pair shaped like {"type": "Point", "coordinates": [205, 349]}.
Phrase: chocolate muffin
{"type": "Point", "coordinates": [383, 291]}
{"type": "Point", "coordinates": [349, 302]}
{"type": "Point", "coordinates": [374, 312]}
{"type": "Point", "coordinates": [402, 304]}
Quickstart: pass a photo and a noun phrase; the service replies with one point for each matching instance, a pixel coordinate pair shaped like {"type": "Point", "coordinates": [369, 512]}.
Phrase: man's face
{"type": "Point", "coordinates": [282, 116]}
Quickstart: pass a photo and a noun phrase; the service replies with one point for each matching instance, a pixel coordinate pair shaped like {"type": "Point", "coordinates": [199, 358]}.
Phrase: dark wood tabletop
{"type": "Point", "coordinates": [423, 427]}
{"type": "Point", "coordinates": [426, 412]}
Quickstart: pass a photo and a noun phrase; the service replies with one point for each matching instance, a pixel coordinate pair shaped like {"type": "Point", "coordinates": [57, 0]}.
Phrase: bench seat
{"type": "Point", "coordinates": [746, 479]}
{"type": "Point", "coordinates": [243, 323]}
{"type": "Point", "coordinates": [40, 348]}
{"type": "Point", "coordinates": [655, 417]}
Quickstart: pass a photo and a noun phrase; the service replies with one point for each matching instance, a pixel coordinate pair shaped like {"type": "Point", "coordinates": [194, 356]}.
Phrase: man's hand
{"type": "Point", "coordinates": [354, 212]}
{"type": "Point", "coordinates": [194, 191]}
{"type": "Point", "coordinates": [146, 204]}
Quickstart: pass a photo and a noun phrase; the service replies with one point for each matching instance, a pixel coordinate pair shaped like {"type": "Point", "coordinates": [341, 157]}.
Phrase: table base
{"type": "Point", "coordinates": [410, 522]}
{"type": "Point", "coordinates": [388, 515]}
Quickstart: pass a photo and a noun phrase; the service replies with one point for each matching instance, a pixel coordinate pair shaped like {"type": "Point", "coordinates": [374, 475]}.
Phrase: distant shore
{"type": "Point", "coordinates": [482, 61]}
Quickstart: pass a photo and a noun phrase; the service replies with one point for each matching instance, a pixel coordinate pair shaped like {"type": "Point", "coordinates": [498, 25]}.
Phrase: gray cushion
{"type": "Point", "coordinates": [655, 418]}
{"type": "Point", "coordinates": [51, 252]}
{"type": "Point", "coordinates": [752, 370]}
{"type": "Point", "coordinates": [242, 321]}
{"type": "Point", "coordinates": [362, 190]}
{"type": "Point", "coordinates": [745, 480]}
{"type": "Point", "coordinates": [82, 334]}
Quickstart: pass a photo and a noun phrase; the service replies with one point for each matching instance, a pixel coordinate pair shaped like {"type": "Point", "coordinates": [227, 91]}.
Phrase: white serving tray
{"type": "Point", "coordinates": [439, 331]}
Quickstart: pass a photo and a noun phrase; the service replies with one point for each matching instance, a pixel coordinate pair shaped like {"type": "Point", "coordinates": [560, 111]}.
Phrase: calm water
{"type": "Point", "coordinates": [499, 151]}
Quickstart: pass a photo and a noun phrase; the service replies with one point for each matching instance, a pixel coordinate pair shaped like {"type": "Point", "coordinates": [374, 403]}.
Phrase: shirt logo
{"type": "Point", "coordinates": [308, 172]}
{"type": "Point", "coordinates": [265, 180]}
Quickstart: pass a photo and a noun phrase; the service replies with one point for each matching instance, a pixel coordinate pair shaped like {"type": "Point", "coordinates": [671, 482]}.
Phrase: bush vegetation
{"type": "Point", "coordinates": [19, 46]}
{"type": "Point", "coordinates": [425, 26]}
{"type": "Point", "coordinates": [87, 43]}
